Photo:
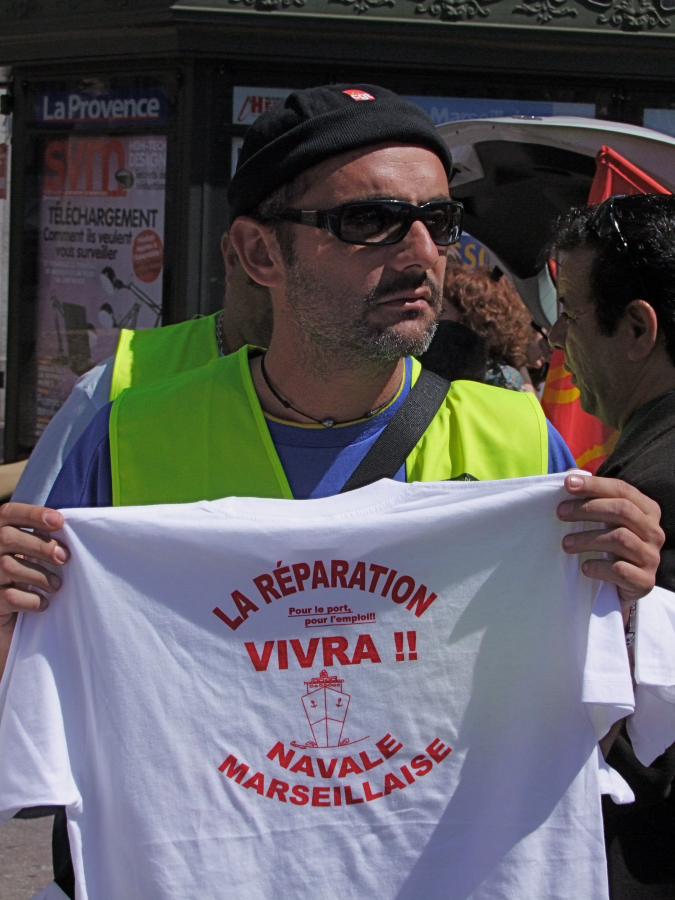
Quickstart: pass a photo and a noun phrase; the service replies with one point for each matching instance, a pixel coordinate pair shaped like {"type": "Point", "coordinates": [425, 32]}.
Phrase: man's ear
{"type": "Point", "coordinates": [257, 248]}
{"type": "Point", "coordinates": [642, 327]}
{"type": "Point", "coordinates": [230, 257]}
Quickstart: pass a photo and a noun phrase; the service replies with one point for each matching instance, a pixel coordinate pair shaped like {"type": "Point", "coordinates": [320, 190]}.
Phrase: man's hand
{"type": "Point", "coordinates": [632, 536]}
{"type": "Point", "coordinates": [24, 583]}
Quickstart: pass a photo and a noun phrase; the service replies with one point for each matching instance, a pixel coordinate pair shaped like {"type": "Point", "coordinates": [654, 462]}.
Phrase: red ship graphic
{"type": "Point", "coordinates": [326, 706]}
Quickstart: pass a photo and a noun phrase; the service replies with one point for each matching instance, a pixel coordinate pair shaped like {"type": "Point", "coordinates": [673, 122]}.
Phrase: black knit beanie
{"type": "Point", "coordinates": [318, 123]}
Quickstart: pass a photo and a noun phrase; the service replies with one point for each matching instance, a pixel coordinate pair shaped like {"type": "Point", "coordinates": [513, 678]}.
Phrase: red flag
{"type": "Point", "coordinates": [590, 441]}
{"type": "Point", "coordinates": [616, 175]}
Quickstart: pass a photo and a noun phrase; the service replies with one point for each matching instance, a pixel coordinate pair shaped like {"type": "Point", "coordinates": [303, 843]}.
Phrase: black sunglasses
{"type": "Point", "coordinates": [605, 224]}
{"type": "Point", "coordinates": [381, 222]}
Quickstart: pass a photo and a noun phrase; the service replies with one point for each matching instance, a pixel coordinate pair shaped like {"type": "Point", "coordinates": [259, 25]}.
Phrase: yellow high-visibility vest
{"type": "Point", "coordinates": [154, 353]}
{"type": "Point", "coordinates": [202, 435]}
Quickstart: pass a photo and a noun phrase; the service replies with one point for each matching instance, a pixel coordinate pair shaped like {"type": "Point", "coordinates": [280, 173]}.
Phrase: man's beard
{"type": "Point", "coordinates": [339, 324]}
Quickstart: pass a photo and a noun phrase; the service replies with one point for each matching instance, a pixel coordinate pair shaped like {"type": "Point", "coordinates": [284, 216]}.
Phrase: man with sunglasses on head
{"type": "Point", "coordinates": [340, 206]}
{"type": "Point", "coordinates": [616, 288]}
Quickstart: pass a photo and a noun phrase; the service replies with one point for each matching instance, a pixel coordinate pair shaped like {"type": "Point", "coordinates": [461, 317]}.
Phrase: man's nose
{"type": "Point", "coordinates": [558, 334]}
{"type": "Point", "coordinates": [418, 249]}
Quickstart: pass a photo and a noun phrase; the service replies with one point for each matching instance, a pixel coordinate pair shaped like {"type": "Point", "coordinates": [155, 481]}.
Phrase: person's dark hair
{"type": "Point", "coordinates": [283, 197]}
{"type": "Point", "coordinates": [647, 223]}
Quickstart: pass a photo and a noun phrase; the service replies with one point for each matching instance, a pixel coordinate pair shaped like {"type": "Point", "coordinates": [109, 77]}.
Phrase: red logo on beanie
{"type": "Point", "coordinates": [358, 95]}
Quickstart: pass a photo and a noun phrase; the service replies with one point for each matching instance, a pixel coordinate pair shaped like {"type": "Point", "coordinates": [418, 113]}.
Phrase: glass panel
{"type": "Point", "coordinates": [100, 254]}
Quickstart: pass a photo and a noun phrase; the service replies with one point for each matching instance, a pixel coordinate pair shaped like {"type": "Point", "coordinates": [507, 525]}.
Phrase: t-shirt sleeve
{"type": "Point", "coordinates": [85, 479]}
{"type": "Point", "coordinates": [559, 457]}
{"type": "Point", "coordinates": [89, 395]}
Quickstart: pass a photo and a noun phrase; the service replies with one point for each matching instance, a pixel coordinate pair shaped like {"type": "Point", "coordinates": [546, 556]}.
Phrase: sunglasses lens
{"type": "Point", "coordinates": [372, 223]}
{"type": "Point", "coordinates": [381, 222]}
{"type": "Point", "coordinates": [444, 222]}
{"type": "Point", "coordinates": [603, 221]}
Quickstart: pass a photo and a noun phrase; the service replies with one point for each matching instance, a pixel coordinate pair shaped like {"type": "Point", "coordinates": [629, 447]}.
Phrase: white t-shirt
{"type": "Point", "coordinates": [393, 693]}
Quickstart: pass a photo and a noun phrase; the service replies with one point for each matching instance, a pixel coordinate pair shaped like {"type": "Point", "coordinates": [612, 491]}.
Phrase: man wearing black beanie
{"type": "Point", "coordinates": [340, 206]}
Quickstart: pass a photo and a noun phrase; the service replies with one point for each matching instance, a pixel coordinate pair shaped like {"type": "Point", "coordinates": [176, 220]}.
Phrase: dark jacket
{"type": "Point", "coordinates": [640, 836]}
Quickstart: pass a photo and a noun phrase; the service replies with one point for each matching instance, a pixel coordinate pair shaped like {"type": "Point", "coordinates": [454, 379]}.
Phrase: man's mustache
{"type": "Point", "coordinates": [404, 281]}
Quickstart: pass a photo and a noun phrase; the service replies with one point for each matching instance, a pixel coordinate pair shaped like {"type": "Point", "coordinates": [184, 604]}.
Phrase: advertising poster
{"type": "Point", "coordinates": [100, 254]}
{"type": "Point", "coordinates": [662, 120]}
{"type": "Point", "coordinates": [249, 102]}
{"type": "Point", "coordinates": [474, 253]}
{"type": "Point", "coordinates": [456, 109]}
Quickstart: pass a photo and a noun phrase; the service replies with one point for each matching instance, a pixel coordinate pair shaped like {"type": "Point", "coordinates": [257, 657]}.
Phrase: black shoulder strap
{"type": "Point", "coordinates": [406, 427]}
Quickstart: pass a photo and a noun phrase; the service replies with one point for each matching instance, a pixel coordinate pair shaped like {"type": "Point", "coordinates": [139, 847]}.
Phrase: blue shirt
{"type": "Point", "coordinates": [317, 461]}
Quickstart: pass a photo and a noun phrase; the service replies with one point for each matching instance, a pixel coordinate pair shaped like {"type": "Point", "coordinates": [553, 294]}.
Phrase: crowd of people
{"type": "Point", "coordinates": [345, 289]}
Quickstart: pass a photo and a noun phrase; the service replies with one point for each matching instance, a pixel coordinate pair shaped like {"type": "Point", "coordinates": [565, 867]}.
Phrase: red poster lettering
{"type": "Point", "coordinates": [282, 654]}
{"type": "Point", "coordinates": [55, 163]}
{"type": "Point", "coordinates": [108, 149]}
{"type": "Point", "coordinates": [76, 163]}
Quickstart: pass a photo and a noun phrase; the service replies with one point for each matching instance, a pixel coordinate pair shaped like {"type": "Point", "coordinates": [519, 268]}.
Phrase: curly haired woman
{"type": "Point", "coordinates": [487, 302]}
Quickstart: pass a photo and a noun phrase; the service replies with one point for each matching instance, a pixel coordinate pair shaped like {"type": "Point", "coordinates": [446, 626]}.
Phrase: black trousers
{"type": "Point", "coordinates": [640, 844]}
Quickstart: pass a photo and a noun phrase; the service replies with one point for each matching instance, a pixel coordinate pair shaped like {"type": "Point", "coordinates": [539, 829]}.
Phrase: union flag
{"type": "Point", "coordinates": [589, 440]}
